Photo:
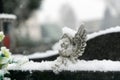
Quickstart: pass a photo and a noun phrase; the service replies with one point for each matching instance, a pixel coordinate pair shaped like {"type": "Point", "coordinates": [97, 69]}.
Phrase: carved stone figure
{"type": "Point", "coordinates": [71, 48]}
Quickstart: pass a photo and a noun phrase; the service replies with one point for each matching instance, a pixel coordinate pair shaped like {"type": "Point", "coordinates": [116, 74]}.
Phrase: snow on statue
{"type": "Point", "coordinates": [72, 46]}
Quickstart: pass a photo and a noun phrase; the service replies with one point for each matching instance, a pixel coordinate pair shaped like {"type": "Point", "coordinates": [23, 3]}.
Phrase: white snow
{"type": "Point", "coordinates": [69, 31]}
{"type": "Point", "coordinates": [81, 65]}
{"type": "Point", "coordinates": [31, 66]}
{"type": "Point", "coordinates": [38, 54]}
{"type": "Point", "coordinates": [44, 54]}
{"type": "Point", "coordinates": [7, 16]}
{"type": "Point", "coordinates": [103, 32]}
{"type": "Point", "coordinates": [95, 34]}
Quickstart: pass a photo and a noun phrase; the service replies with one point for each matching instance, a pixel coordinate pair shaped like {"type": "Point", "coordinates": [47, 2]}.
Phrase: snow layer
{"type": "Point", "coordinates": [95, 34]}
{"type": "Point", "coordinates": [38, 54]}
{"type": "Point", "coordinates": [81, 65]}
{"type": "Point", "coordinates": [68, 31]}
{"type": "Point", "coordinates": [44, 54]}
{"type": "Point", "coordinates": [7, 16]}
{"type": "Point", "coordinates": [103, 32]}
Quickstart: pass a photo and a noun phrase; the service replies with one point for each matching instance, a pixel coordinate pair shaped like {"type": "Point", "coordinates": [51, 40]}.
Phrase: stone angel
{"type": "Point", "coordinates": [72, 46]}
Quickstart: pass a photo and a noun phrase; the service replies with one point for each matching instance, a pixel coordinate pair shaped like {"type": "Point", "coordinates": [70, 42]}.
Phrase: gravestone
{"type": "Point", "coordinates": [100, 61]}
{"type": "Point", "coordinates": [102, 46]}
{"type": "Point", "coordinates": [7, 23]}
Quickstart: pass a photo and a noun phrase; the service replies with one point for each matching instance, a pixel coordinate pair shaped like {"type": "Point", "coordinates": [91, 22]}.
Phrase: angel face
{"type": "Point", "coordinates": [65, 44]}
{"type": "Point", "coordinates": [66, 47]}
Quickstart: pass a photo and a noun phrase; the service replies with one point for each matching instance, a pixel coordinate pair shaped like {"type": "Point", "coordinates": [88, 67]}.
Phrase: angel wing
{"type": "Point", "coordinates": [79, 41]}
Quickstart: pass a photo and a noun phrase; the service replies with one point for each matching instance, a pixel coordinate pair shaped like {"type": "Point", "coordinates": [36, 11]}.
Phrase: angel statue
{"type": "Point", "coordinates": [72, 46]}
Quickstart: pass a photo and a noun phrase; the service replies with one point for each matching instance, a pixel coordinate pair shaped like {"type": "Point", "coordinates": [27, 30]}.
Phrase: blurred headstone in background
{"type": "Point", "coordinates": [23, 9]}
{"type": "Point", "coordinates": [112, 14]}
{"type": "Point", "coordinates": [51, 32]}
{"type": "Point", "coordinates": [7, 23]}
{"type": "Point", "coordinates": [37, 31]}
{"type": "Point", "coordinates": [68, 17]}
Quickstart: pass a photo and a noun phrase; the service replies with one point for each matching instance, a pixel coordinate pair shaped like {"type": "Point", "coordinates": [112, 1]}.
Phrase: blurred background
{"type": "Point", "coordinates": [36, 25]}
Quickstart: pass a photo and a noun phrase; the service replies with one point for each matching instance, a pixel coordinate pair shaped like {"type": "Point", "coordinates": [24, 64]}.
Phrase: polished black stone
{"type": "Point", "coordinates": [101, 47]}
{"type": "Point", "coordinates": [64, 75]}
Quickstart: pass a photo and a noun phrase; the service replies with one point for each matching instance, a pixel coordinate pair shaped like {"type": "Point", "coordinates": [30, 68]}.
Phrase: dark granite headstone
{"type": "Point", "coordinates": [1, 6]}
{"type": "Point", "coordinates": [64, 75]}
{"type": "Point", "coordinates": [103, 47]}
{"type": "Point", "coordinates": [106, 46]}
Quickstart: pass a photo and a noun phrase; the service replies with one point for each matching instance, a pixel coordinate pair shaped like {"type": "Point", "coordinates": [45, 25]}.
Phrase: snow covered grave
{"type": "Point", "coordinates": [100, 46]}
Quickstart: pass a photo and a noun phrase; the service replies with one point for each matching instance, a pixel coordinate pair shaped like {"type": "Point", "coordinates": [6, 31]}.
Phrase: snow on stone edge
{"type": "Point", "coordinates": [8, 16]}
{"type": "Point", "coordinates": [103, 32]}
{"type": "Point", "coordinates": [37, 54]}
{"type": "Point", "coordinates": [81, 65]}
{"type": "Point", "coordinates": [69, 31]}
{"type": "Point", "coordinates": [92, 35]}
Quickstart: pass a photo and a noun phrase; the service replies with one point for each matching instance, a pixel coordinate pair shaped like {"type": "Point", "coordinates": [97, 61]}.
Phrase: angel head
{"type": "Point", "coordinates": [66, 46]}
{"type": "Point", "coordinates": [66, 41]}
